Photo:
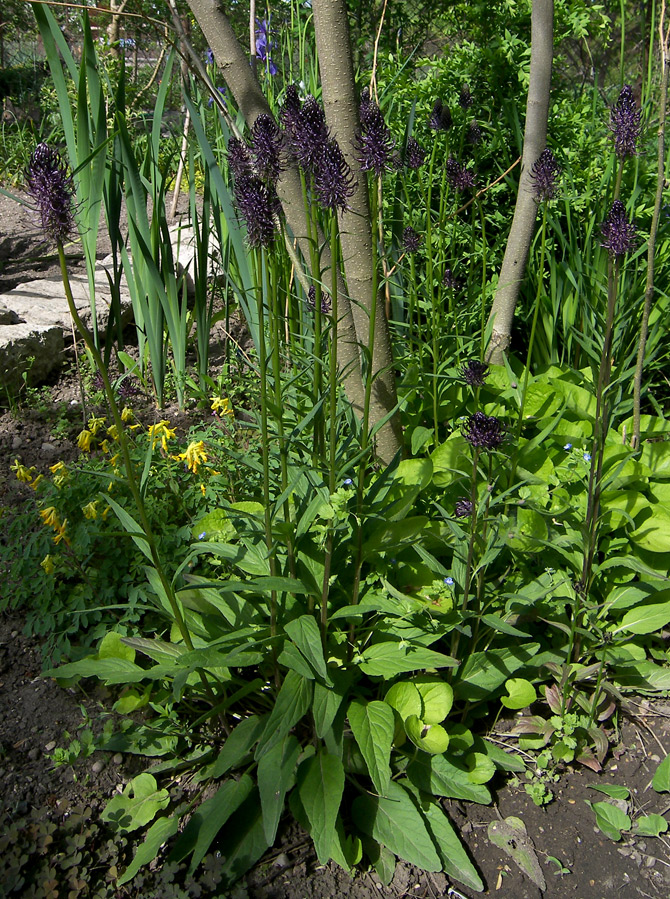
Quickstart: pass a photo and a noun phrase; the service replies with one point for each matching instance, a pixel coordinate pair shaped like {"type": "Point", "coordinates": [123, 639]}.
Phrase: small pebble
{"type": "Point", "coordinates": [48, 449]}
{"type": "Point", "coordinates": [17, 443]}
{"type": "Point", "coordinates": [34, 754]}
{"type": "Point", "coordinates": [117, 759]}
{"type": "Point", "coordinates": [97, 767]}
{"type": "Point", "coordinates": [50, 746]}
{"type": "Point", "coordinates": [282, 861]}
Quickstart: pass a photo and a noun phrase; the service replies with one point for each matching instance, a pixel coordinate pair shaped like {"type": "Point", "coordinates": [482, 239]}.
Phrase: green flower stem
{"type": "Point", "coordinates": [429, 281]}
{"type": "Point", "coordinates": [455, 639]}
{"type": "Point", "coordinates": [130, 474]}
{"type": "Point", "coordinates": [482, 218]}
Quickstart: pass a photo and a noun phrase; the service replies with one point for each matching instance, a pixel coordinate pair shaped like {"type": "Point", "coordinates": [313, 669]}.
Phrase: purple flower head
{"type": "Point", "coordinates": [484, 431]}
{"type": "Point", "coordinates": [266, 146]}
{"type": "Point", "coordinates": [290, 111]}
{"type": "Point", "coordinates": [222, 92]}
{"type": "Point", "coordinates": [415, 155]}
{"type": "Point", "coordinates": [306, 130]}
{"type": "Point", "coordinates": [465, 97]}
{"type": "Point", "coordinates": [473, 135]}
{"type": "Point", "coordinates": [625, 123]}
{"type": "Point", "coordinates": [257, 202]}
{"type": "Point", "coordinates": [411, 240]}
{"type": "Point", "coordinates": [209, 57]}
{"type": "Point", "coordinates": [450, 281]}
{"type": "Point", "coordinates": [375, 144]}
{"type": "Point", "coordinates": [463, 508]}
{"type": "Point", "coordinates": [460, 178]}
{"type": "Point", "coordinates": [618, 234]}
{"type": "Point", "coordinates": [239, 158]}
{"type": "Point", "coordinates": [440, 118]}
{"type": "Point", "coordinates": [50, 184]}
{"type": "Point", "coordinates": [474, 372]}
{"type": "Point", "coordinates": [264, 45]}
{"type": "Point", "coordinates": [127, 388]}
{"type": "Point", "coordinates": [333, 181]}
{"type": "Point", "coordinates": [325, 300]}
{"type": "Point", "coordinates": [543, 176]}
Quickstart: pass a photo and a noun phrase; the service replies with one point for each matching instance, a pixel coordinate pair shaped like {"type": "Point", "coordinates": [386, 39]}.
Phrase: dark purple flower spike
{"type": "Point", "coordinates": [618, 234]}
{"type": "Point", "coordinates": [544, 175]}
{"type": "Point", "coordinates": [50, 184]}
{"type": "Point", "coordinates": [484, 431]}
{"type": "Point", "coordinates": [625, 123]}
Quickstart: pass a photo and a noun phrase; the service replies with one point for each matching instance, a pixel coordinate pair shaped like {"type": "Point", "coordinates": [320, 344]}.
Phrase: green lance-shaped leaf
{"type": "Point", "coordinates": [394, 821]}
{"type": "Point", "coordinates": [159, 833]}
{"type": "Point", "coordinates": [373, 725]}
{"type": "Point", "coordinates": [276, 776]}
{"type": "Point", "coordinates": [320, 787]}
{"type": "Point", "coordinates": [238, 744]}
{"type": "Point", "coordinates": [208, 819]}
{"type": "Point", "coordinates": [293, 701]}
{"type": "Point", "coordinates": [440, 776]}
{"type": "Point", "coordinates": [610, 819]}
{"type": "Point", "coordinates": [649, 617]}
{"type": "Point", "coordinates": [304, 632]}
{"type": "Point", "coordinates": [139, 803]}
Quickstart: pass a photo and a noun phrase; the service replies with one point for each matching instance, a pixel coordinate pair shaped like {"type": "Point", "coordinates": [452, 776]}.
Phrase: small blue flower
{"type": "Point", "coordinates": [449, 581]}
{"type": "Point", "coordinates": [587, 457]}
{"type": "Point", "coordinates": [347, 482]}
{"type": "Point", "coordinates": [202, 536]}
{"type": "Point", "coordinates": [567, 447]}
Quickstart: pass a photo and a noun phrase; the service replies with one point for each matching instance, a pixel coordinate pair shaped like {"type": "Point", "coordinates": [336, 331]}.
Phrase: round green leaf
{"type": "Point", "coordinates": [437, 698]}
{"type": "Point", "coordinates": [405, 698]}
{"type": "Point", "coordinates": [651, 825]}
{"type": "Point", "coordinates": [521, 693]}
{"type": "Point", "coordinates": [432, 738]}
{"type": "Point", "coordinates": [480, 768]}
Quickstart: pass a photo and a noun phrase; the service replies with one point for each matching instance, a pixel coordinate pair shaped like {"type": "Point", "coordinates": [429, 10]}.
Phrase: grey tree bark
{"type": "Point", "coordinates": [245, 89]}
{"type": "Point", "coordinates": [525, 212]}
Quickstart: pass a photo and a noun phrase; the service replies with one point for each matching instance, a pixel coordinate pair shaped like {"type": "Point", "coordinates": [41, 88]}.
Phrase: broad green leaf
{"type": "Point", "coordinates": [511, 836]}
{"type": "Point", "coordinates": [451, 460]}
{"type": "Point", "coordinates": [405, 699]}
{"type": "Point", "coordinates": [646, 618]}
{"type": "Point", "coordinates": [530, 533]}
{"type": "Point", "coordinates": [393, 534]}
{"type": "Point", "coordinates": [292, 703]}
{"type": "Point", "coordinates": [110, 671]}
{"type": "Point", "coordinates": [521, 693]}
{"type": "Point", "coordinates": [437, 698]}
{"type": "Point", "coordinates": [395, 822]}
{"type": "Point", "coordinates": [455, 860]}
{"type": "Point", "coordinates": [480, 768]}
{"type": "Point", "coordinates": [485, 672]}
{"type": "Point", "coordinates": [614, 791]}
{"type": "Point", "coordinates": [432, 738]}
{"type": "Point", "coordinates": [159, 833]}
{"type": "Point", "coordinates": [320, 787]}
{"type": "Point", "coordinates": [661, 781]}
{"type": "Point", "coordinates": [372, 725]}
{"type": "Point", "coordinates": [610, 819]}
{"type": "Point", "coordinates": [139, 803]}
{"type": "Point", "coordinates": [242, 840]}
{"type": "Point", "coordinates": [238, 744]}
{"type": "Point", "coordinates": [276, 776]}
{"type": "Point", "coordinates": [391, 658]}
{"type": "Point", "coordinates": [304, 632]}
{"type": "Point", "coordinates": [651, 825]}
{"type": "Point", "coordinates": [653, 533]}
{"type": "Point", "coordinates": [440, 776]}
{"type": "Point", "coordinates": [140, 740]}
{"type": "Point", "coordinates": [327, 702]}
{"type": "Point", "coordinates": [506, 761]}
{"type": "Point", "coordinates": [656, 454]}
{"type": "Point", "coordinates": [112, 647]}
{"type": "Point", "coordinates": [208, 819]}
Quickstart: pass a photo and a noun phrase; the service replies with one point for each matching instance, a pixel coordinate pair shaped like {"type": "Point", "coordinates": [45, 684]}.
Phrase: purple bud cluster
{"type": "Point", "coordinates": [618, 234]}
{"type": "Point", "coordinates": [544, 175]}
{"type": "Point", "coordinates": [459, 177]}
{"type": "Point", "coordinates": [50, 184]}
{"type": "Point", "coordinates": [463, 508]}
{"type": "Point", "coordinates": [375, 144]}
{"type": "Point", "coordinates": [450, 281]}
{"type": "Point", "coordinates": [484, 431]}
{"type": "Point", "coordinates": [415, 155]}
{"type": "Point", "coordinates": [411, 241]}
{"type": "Point", "coordinates": [474, 372]}
{"type": "Point", "coordinates": [440, 118]}
{"type": "Point", "coordinates": [625, 123]}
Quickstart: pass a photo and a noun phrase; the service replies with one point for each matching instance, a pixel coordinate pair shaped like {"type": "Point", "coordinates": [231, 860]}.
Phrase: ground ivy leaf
{"type": "Point", "coordinates": [320, 787]}
{"type": "Point", "coordinates": [373, 726]}
{"type": "Point", "coordinates": [137, 805]}
{"type": "Point", "coordinates": [395, 822]}
{"type": "Point", "coordinates": [651, 825]}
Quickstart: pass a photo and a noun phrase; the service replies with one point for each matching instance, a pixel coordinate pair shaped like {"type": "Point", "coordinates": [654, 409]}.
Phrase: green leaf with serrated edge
{"type": "Point", "coordinates": [159, 833]}
{"type": "Point", "coordinates": [373, 725]}
{"type": "Point", "coordinates": [521, 693]}
{"type": "Point", "coordinates": [304, 632]}
{"type": "Point", "coordinates": [651, 825]}
{"type": "Point", "coordinates": [242, 841]}
{"type": "Point", "coordinates": [441, 776]}
{"type": "Point", "coordinates": [437, 698]}
{"type": "Point", "coordinates": [610, 819]}
{"type": "Point", "coordinates": [327, 702]}
{"type": "Point", "coordinates": [661, 781]}
{"type": "Point", "coordinates": [614, 791]}
{"type": "Point", "coordinates": [276, 776]}
{"type": "Point", "coordinates": [391, 658]}
{"type": "Point", "coordinates": [208, 819]}
{"type": "Point", "coordinates": [431, 738]}
{"type": "Point", "coordinates": [395, 822]}
{"type": "Point", "coordinates": [293, 702]}
{"type": "Point", "coordinates": [238, 744]}
{"type": "Point", "coordinates": [139, 803]}
{"type": "Point", "coordinates": [320, 787]}
{"type": "Point", "coordinates": [455, 860]}
{"type": "Point", "coordinates": [405, 699]}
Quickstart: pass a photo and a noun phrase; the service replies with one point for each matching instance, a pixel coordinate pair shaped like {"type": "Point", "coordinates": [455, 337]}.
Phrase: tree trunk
{"type": "Point", "coordinates": [525, 212]}
{"type": "Point", "coordinates": [246, 91]}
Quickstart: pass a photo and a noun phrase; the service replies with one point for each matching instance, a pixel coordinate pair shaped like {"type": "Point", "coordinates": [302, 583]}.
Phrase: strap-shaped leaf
{"type": "Point", "coordinates": [373, 725]}
{"type": "Point", "coordinates": [159, 832]}
{"type": "Point", "coordinates": [320, 786]}
{"type": "Point", "coordinates": [238, 744]}
{"type": "Point", "coordinates": [276, 776]}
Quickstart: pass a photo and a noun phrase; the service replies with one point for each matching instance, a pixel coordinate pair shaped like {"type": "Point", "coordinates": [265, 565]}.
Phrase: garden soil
{"type": "Point", "coordinates": [49, 815]}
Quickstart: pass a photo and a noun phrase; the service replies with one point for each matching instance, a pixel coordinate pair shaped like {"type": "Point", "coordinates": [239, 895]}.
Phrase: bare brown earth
{"type": "Point", "coordinates": [39, 801]}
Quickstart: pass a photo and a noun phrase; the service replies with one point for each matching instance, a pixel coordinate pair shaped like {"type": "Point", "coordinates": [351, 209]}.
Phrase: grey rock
{"type": "Point", "coordinates": [48, 449]}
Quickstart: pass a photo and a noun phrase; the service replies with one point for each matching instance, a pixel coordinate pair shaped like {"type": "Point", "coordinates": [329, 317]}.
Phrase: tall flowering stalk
{"type": "Point", "coordinates": [51, 187]}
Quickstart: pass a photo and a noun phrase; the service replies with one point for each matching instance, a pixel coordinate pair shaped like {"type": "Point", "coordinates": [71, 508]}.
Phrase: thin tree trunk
{"type": "Point", "coordinates": [525, 212]}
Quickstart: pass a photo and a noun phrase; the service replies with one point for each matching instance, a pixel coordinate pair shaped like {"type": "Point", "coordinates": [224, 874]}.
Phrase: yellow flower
{"type": "Point", "coordinates": [163, 432]}
{"type": "Point", "coordinates": [47, 564]}
{"type": "Point", "coordinates": [106, 513]}
{"type": "Point", "coordinates": [22, 473]}
{"type": "Point", "coordinates": [49, 516]}
{"type": "Point", "coordinates": [60, 533]}
{"type": "Point", "coordinates": [115, 458]}
{"type": "Point", "coordinates": [95, 424]}
{"type": "Point", "coordinates": [60, 473]}
{"type": "Point", "coordinates": [195, 455]}
{"type": "Point", "coordinates": [104, 446]}
{"type": "Point", "coordinates": [127, 414]}
{"type": "Point", "coordinates": [113, 432]}
{"type": "Point", "coordinates": [90, 510]}
{"type": "Point", "coordinates": [222, 405]}
{"type": "Point", "coordinates": [202, 489]}
{"type": "Point", "coordinates": [84, 441]}
{"type": "Point", "coordinates": [36, 481]}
